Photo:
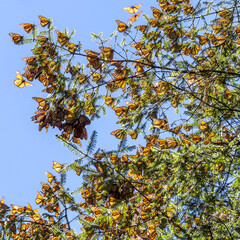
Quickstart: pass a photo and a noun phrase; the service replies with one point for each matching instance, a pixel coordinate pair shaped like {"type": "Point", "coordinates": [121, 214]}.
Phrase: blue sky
{"type": "Point", "coordinates": [27, 153]}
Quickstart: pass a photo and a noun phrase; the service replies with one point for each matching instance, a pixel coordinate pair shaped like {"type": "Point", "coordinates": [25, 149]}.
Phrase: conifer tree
{"type": "Point", "coordinates": [172, 82]}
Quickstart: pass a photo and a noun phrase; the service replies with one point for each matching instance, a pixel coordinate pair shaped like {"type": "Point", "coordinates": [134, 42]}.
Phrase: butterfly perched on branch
{"type": "Point", "coordinates": [122, 27]}
{"type": "Point", "coordinates": [43, 21]}
{"type": "Point", "coordinates": [28, 27]}
{"type": "Point", "coordinates": [16, 37]}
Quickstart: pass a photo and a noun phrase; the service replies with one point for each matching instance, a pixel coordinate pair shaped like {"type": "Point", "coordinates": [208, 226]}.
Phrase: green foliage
{"type": "Point", "coordinates": [174, 87]}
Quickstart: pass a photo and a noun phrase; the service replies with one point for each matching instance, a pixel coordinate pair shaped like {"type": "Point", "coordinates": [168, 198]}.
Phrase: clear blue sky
{"type": "Point", "coordinates": [25, 152]}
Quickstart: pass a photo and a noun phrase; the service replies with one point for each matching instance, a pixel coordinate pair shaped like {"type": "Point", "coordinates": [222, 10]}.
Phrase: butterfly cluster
{"type": "Point", "coordinates": [44, 66]}
{"type": "Point", "coordinates": [122, 27]}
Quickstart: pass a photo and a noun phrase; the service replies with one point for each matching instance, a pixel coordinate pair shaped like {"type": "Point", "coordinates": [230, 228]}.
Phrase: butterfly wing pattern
{"type": "Point", "coordinates": [132, 9]}
{"type": "Point", "coordinates": [16, 37]}
{"type": "Point", "coordinates": [28, 27]}
{"type": "Point", "coordinates": [20, 82]}
{"type": "Point", "coordinates": [43, 21]}
{"type": "Point", "coordinates": [122, 27]}
{"type": "Point", "coordinates": [54, 114]}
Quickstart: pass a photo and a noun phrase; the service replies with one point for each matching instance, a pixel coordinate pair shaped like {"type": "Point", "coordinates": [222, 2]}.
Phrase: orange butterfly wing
{"type": "Point", "coordinates": [132, 9]}
{"type": "Point", "coordinates": [58, 167]}
{"type": "Point", "coordinates": [135, 17]}
{"type": "Point", "coordinates": [157, 13]}
{"type": "Point", "coordinates": [41, 101]}
{"type": "Point", "coordinates": [50, 177]}
{"type": "Point", "coordinates": [28, 27]}
{"type": "Point", "coordinates": [39, 198]}
{"type": "Point", "coordinates": [16, 37]}
{"type": "Point", "coordinates": [120, 134]}
{"type": "Point", "coordinates": [141, 28]}
{"type": "Point", "coordinates": [42, 39]}
{"type": "Point", "coordinates": [43, 21]}
{"type": "Point", "coordinates": [122, 27]}
{"type": "Point", "coordinates": [62, 38]}
{"type": "Point", "coordinates": [19, 82]}
{"type": "Point", "coordinates": [72, 47]}
{"type": "Point", "coordinates": [30, 60]}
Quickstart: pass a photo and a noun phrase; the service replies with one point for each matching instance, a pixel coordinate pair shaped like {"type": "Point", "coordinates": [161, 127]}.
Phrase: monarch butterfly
{"type": "Point", "coordinates": [3, 206]}
{"type": "Point", "coordinates": [91, 55]}
{"type": "Point", "coordinates": [157, 13]}
{"type": "Point", "coordinates": [121, 110]}
{"type": "Point", "coordinates": [203, 126]}
{"type": "Point", "coordinates": [99, 166]}
{"type": "Point", "coordinates": [50, 177]}
{"type": "Point", "coordinates": [48, 90]}
{"type": "Point", "coordinates": [135, 17]}
{"type": "Point", "coordinates": [78, 170]}
{"type": "Point", "coordinates": [153, 22]}
{"type": "Point", "coordinates": [39, 117]}
{"type": "Point", "coordinates": [112, 201]}
{"type": "Point", "coordinates": [218, 40]}
{"type": "Point", "coordinates": [72, 47]}
{"type": "Point", "coordinates": [58, 167]}
{"type": "Point", "coordinates": [114, 159]}
{"type": "Point", "coordinates": [82, 78]}
{"type": "Point", "coordinates": [42, 39]}
{"type": "Point", "coordinates": [153, 234]}
{"type": "Point", "coordinates": [160, 123]}
{"type": "Point", "coordinates": [62, 38]}
{"type": "Point", "coordinates": [19, 82]}
{"type": "Point", "coordinates": [133, 134]}
{"type": "Point", "coordinates": [30, 60]}
{"type": "Point", "coordinates": [83, 120]}
{"type": "Point", "coordinates": [187, 127]}
{"type": "Point", "coordinates": [28, 75]}
{"type": "Point", "coordinates": [131, 106]}
{"type": "Point", "coordinates": [41, 101]}
{"type": "Point", "coordinates": [97, 211]}
{"type": "Point", "coordinates": [137, 45]}
{"type": "Point", "coordinates": [98, 156]}
{"type": "Point", "coordinates": [116, 215]}
{"type": "Point", "coordinates": [109, 100]}
{"type": "Point", "coordinates": [188, 9]}
{"type": "Point", "coordinates": [43, 21]}
{"type": "Point", "coordinates": [120, 80]}
{"type": "Point", "coordinates": [16, 37]}
{"type": "Point", "coordinates": [90, 219]}
{"type": "Point", "coordinates": [120, 134]}
{"type": "Point", "coordinates": [39, 198]}
{"type": "Point", "coordinates": [172, 142]}
{"type": "Point", "coordinates": [124, 158]}
{"type": "Point", "coordinates": [96, 77]}
{"type": "Point", "coordinates": [152, 138]}
{"type": "Point", "coordinates": [132, 9]}
{"type": "Point", "coordinates": [168, 8]}
{"type": "Point", "coordinates": [122, 27]}
{"type": "Point", "coordinates": [162, 143]}
{"type": "Point", "coordinates": [45, 187]}
{"type": "Point", "coordinates": [107, 52]}
{"type": "Point", "coordinates": [28, 27]}
{"type": "Point", "coordinates": [195, 138]}
{"type": "Point", "coordinates": [79, 127]}
{"type": "Point", "coordinates": [176, 130]}
{"type": "Point", "coordinates": [141, 28]}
